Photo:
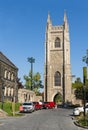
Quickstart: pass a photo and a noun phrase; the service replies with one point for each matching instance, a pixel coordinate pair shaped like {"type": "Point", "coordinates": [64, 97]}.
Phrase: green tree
{"type": "Point", "coordinates": [78, 83]}
{"type": "Point", "coordinates": [78, 86]}
{"type": "Point", "coordinates": [36, 82]}
{"type": "Point", "coordinates": [85, 83]}
{"type": "Point", "coordinates": [28, 81]}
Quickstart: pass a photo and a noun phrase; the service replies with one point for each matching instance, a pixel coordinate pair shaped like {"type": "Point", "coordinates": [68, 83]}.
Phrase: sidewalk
{"type": "Point", "coordinates": [3, 114]}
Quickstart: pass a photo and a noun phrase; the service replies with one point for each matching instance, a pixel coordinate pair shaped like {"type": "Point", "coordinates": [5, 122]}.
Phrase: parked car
{"type": "Point", "coordinates": [52, 104]}
{"type": "Point", "coordinates": [78, 110]}
{"type": "Point", "coordinates": [48, 105]}
{"type": "Point", "coordinates": [27, 107]}
{"type": "Point", "coordinates": [37, 105]}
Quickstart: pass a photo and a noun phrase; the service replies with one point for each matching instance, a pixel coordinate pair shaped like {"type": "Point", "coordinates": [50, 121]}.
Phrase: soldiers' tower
{"type": "Point", "coordinates": [57, 77]}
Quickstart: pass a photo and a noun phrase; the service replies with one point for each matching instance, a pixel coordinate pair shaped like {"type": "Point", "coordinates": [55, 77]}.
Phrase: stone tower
{"type": "Point", "coordinates": [57, 76]}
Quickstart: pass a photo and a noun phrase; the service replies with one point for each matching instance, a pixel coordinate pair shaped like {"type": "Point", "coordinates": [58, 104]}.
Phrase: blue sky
{"type": "Point", "coordinates": [23, 25]}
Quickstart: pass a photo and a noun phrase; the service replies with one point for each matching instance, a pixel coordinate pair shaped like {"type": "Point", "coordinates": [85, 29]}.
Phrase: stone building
{"type": "Point", "coordinates": [57, 76]}
{"type": "Point", "coordinates": [8, 79]}
{"type": "Point", "coordinates": [25, 95]}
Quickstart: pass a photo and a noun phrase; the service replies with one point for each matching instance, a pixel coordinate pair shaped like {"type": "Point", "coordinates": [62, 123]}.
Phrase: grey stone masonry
{"type": "Point", "coordinates": [57, 61]}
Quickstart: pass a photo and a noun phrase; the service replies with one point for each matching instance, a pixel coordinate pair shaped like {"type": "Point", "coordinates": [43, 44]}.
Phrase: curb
{"type": "Point", "coordinates": [77, 124]}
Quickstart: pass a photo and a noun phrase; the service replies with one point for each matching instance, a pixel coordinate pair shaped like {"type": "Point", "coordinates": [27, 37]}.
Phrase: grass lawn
{"type": "Point", "coordinates": [82, 121]}
{"type": "Point", "coordinates": [11, 108]}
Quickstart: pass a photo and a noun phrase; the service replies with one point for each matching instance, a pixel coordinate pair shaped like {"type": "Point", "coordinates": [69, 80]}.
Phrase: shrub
{"type": "Point", "coordinates": [83, 121]}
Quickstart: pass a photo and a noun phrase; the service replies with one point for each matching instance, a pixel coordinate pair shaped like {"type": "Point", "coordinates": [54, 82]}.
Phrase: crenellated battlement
{"type": "Point", "coordinates": [57, 28]}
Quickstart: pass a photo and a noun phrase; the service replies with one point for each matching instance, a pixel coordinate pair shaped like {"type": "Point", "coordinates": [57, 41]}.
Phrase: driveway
{"type": "Point", "coordinates": [56, 119]}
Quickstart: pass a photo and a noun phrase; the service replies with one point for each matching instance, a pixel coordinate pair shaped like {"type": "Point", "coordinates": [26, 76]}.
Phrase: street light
{"type": "Point", "coordinates": [31, 60]}
{"type": "Point", "coordinates": [85, 59]}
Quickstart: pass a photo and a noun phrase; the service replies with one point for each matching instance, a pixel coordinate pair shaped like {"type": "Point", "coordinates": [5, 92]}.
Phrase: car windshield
{"type": "Point", "coordinates": [35, 102]}
{"type": "Point", "coordinates": [27, 103]}
{"type": "Point", "coordinates": [45, 102]}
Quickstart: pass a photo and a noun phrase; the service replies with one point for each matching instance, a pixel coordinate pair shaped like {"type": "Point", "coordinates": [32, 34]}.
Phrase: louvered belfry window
{"type": "Point", "coordinates": [57, 79]}
{"type": "Point", "coordinates": [57, 42]}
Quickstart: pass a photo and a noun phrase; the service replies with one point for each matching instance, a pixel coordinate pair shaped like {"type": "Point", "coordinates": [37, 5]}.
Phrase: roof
{"type": "Point", "coordinates": [4, 59]}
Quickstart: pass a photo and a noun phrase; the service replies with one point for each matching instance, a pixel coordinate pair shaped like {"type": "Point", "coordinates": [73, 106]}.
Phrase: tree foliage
{"type": "Point", "coordinates": [79, 89]}
{"type": "Point", "coordinates": [35, 81]}
{"type": "Point", "coordinates": [77, 84]}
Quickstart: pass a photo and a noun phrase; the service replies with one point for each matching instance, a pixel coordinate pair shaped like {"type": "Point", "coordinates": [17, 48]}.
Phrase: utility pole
{"type": "Point", "coordinates": [31, 60]}
{"type": "Point", "coordinates": [85, 59]}
{"type": "Point", "coordinates": [63, 78]}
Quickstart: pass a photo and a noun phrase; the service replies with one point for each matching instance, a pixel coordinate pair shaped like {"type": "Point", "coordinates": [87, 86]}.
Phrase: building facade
{"type": "Point", "coordinates": [25, 95]}
{"type": "Point", "coordinates": [8, 79]}
{"type": "Point", "coordinates": [57, 76]}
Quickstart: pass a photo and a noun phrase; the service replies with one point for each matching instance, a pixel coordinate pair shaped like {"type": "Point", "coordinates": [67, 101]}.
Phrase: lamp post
{"type": "Point", "coordinates": [85, 59]}
{"type": "Point", "coordinates": [2, 96]}
{"type": "Point", "coordinates": [31, 60]}
{"type": "Point", "coordinates": [63, 78]}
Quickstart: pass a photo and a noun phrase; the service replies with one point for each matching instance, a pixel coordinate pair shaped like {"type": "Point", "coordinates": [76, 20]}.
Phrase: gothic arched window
{"type": "Point", "coordinates": [57, 42]}
{"type": "Point", "coordinates": [57, 79]}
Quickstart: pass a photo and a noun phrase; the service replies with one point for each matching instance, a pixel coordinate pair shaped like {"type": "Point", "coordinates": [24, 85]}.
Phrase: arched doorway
{"type": "Point", "coordinates": [58, 98]}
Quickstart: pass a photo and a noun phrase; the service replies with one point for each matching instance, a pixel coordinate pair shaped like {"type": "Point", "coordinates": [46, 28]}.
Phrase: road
{"type": "Point", "coordinates": [56, 119]}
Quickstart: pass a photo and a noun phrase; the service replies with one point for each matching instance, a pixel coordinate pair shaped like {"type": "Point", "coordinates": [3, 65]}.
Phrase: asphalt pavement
{"type": "Point", "coordinates": [51, 119]}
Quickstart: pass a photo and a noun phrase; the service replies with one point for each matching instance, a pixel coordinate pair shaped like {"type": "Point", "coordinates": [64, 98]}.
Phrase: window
{"type": "Point", "coordinates": [11, 91]}
{"type": "Point", "coordinates": [5, 74]}
{"type": "Point", "coordinates": [12, 76]}
{"type": "Point", "coordinates": [29, 97]}
{"type": "Point", "coordinates": [6, 91]}
{"type": "Point", "coordinates": [57, 42]}
{"type": "Point", "coordinates": [9, 75]}
{"type": "Point", "coordinates": [57, 79]}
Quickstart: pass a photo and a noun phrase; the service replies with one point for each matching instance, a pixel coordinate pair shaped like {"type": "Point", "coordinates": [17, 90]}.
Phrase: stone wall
{"type": "Point", "coordinates": [76, 101]}
{"type": "Point", "coordinates": [25, 95]}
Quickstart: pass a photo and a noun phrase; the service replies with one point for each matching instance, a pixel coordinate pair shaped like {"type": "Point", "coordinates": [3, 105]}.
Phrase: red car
{"type": "Point", "coordinates": [37, 105]}
{"type": "Point", "coordinates": [48, 105]}
{"type": "Point", "coordinates": [52, 104]}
